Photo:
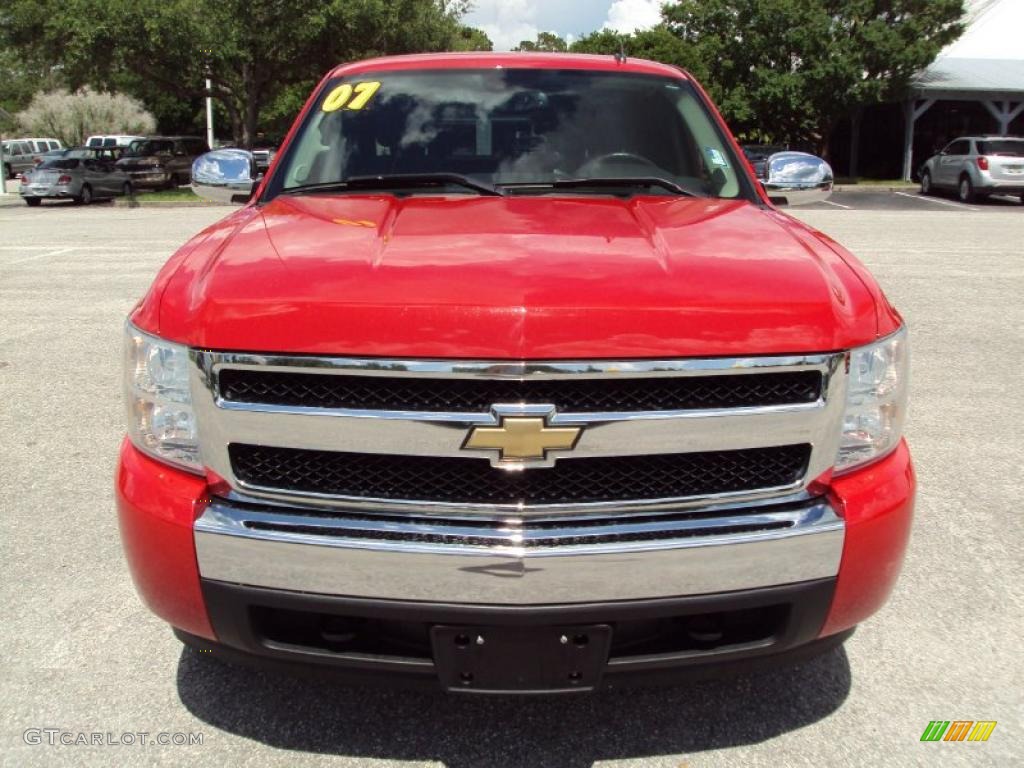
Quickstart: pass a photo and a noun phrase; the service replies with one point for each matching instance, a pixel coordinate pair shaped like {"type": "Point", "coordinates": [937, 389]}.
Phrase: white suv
{"type": "Point", "coordinates": [120, 140]}
{"type": "Point", "coordinates": [44, 145]}
{"type": "Point", "coordinates": [976, 167]}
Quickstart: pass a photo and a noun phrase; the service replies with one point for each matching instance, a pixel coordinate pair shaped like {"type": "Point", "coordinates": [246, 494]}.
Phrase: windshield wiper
{"type": "Point", "coordinates": [397, 181]}
{"type": "Point", "coordinates": [608, 181]}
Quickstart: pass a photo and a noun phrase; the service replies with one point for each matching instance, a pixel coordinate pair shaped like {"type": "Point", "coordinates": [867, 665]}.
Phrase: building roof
{"type": "Point", "coordinates": [956, 74]}
{"type": "Point", "coordinates": [987, 60]}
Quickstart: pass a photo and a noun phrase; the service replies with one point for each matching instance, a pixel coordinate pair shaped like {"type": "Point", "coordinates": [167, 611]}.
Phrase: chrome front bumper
{"type": "Point", "coordinates": [517, 553]}
{"type": "Point", "coordinates": [517, 562]}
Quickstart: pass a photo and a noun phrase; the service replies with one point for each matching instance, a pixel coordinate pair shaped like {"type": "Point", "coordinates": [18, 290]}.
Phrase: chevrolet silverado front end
{"type": "Point", "coordinates": [510, 378]}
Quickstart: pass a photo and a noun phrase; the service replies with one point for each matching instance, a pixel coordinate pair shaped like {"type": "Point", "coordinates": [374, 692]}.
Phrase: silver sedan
{"type": "Point", "coordinates": [82, 175]}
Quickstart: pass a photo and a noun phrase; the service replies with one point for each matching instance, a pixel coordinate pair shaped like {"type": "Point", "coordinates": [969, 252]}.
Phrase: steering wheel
{"type": "Point", "coordinates": [613, 159]}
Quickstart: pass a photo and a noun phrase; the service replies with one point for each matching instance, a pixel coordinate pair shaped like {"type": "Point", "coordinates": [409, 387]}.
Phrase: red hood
{"type": "Point", "coordinates": [518, 277]}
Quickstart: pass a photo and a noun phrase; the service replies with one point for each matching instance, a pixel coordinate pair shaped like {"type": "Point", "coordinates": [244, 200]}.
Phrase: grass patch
{"type": "Point", "coordinates": [178, 195]}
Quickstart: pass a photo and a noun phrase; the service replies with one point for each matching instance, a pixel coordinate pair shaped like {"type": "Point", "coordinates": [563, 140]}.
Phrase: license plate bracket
{"type": "Point", "coordinates": [489, 659]}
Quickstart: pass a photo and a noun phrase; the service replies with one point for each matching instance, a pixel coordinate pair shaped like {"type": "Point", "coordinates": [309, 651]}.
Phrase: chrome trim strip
{"type": "Point", "coordinates": [721, 502]}
{"type": "Point", "coordinates": [353, 558]}
{"type": "Point", "coordinates": [605, 434]}
{"type": "Point", "coordinates": [442, 434]}
{"type": "Point", "coordinates": [504, 369]}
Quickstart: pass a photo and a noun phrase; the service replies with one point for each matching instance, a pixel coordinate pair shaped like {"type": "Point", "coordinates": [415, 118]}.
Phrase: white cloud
{"type": "Point", "coordinates": [631, 15]}
{"type": "Point", "coordinates": [506, 22]}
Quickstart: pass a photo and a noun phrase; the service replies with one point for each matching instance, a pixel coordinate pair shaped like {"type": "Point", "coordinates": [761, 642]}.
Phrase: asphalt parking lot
{"type": "Point", "coordinates": [868, 198]}
{"type": "Point", "coordinates": [80, 653]}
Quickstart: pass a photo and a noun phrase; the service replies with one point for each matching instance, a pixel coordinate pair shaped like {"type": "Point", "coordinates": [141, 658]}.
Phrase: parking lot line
{"type": "Point", "coordinates": [950, 203]}
{"type": "Point", "coordinates": [33, 257]}
{"type": "Point", "coordinates": [106, 247]}
{"type": "Point", "coordinates": [837, 205]}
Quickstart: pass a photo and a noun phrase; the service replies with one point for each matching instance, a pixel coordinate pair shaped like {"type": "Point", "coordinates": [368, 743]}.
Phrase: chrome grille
{"type": "Point", "coordinates": [390, 393]}
{"type": "Point", "coordinates": [656, 435]}
{"type": "Point", "coordinates": [475, 481]}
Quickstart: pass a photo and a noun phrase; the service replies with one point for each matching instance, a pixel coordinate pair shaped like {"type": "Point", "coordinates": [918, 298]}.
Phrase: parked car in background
{"type": "Point", "coordinates": [976, 167]}
{"type": "Point", "coordinates": [17, 157]}
{"type": "Point", "coordinates": [160, 162]}
{"type": "Point", "coordinates": [44, 145]}
{"type": "Point", "coordinates": [40, 157]}
{"type": "Point", "coordinates": [119, 140]}
{"type": "Point", "coordinates": [757, 155]}
{"type": "Point", "coordinates": [264, 148]}
{"type": "Point", "coordinates": [82, 174]}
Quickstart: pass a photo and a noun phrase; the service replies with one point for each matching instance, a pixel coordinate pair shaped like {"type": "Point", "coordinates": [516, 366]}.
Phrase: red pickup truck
{"type": "Point", "coordinates": [510, 376]}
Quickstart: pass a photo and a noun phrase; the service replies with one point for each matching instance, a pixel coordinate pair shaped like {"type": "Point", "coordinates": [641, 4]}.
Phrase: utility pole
{"type": "Point", "coordinates": [3, 166]}
{"type": "Point", "coordinates": [3, 171]}
{"type": "Point", "coordinates": [208, 71]}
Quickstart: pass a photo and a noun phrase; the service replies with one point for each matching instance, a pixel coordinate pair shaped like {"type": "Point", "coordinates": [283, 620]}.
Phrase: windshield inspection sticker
{"type": "Point", "coordinates": [350, 96]}
{"type": "Point", "coordinates": [716, 157]}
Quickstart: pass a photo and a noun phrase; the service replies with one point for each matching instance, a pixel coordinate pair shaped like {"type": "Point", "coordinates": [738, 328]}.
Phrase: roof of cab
{"type": "Point", "coordinates": [477, 60]}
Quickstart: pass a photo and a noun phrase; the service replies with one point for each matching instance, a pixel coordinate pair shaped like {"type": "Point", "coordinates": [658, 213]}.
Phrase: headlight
{"type": "Point", "coordinates": [876, 401]}
{"type": "Point", "coordinates": [160, 417]}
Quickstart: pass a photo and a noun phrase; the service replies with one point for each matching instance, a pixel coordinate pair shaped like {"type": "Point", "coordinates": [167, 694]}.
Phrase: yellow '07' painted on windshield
{"type": "Point", "coordinates": [350, 96]}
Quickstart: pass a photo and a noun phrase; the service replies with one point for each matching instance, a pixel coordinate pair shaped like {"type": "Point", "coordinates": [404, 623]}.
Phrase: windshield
{"type": "Point", "coordinates": [1003, 147]}
{"type": "Point", "coordinates": [60, 165]}
{"type": "Point", "coordinates": [155, 147]}
{"type": "Point", "coordinates": [512, 128]}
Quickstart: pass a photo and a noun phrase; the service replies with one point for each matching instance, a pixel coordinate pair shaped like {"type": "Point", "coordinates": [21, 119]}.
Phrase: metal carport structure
{"type": "Point", "coordinates": [985, 65]}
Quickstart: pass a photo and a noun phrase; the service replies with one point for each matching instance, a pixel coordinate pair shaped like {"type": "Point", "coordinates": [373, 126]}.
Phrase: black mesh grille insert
{"type": "Point", "coordinates": [393, 393]}
{"type": "Point", "coordinates": [473, 480]}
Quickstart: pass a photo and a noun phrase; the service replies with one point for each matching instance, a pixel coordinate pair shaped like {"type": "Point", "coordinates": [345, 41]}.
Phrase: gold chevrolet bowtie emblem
{"type": "Point", "coordinates": [523, 438]}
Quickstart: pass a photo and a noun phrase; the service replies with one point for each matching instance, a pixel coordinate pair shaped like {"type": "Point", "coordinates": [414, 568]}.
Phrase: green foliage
{"type": "Point", "coordinates": [71, 117]}
{"type": "Point", "coordinates": [471, 39]}
{"type": "Point", "coordinates": [790, 70]}
{"type": "Point", "coordinates": [258, 50]}
{"type": "Point", "coordinates": [782, 71]}
{"type": "Point", "coordinates": [20, 80]}
{"type": "Point", "coordinates": [162, 196]}
{"type": "Point", "coordinates": [656, 44]}
{"type": "Point", "coordinates": [546, 42]}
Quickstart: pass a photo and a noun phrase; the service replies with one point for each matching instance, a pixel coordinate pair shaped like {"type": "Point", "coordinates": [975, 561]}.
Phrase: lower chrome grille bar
{"type": "Point", "coordinates": [517, 561]}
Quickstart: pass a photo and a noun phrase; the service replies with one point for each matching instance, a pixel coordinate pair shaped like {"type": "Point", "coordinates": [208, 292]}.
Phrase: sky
{"type": "Point", "coordinates": [507, 22]}
{"type": "Point", "coordinates": [994, 31]}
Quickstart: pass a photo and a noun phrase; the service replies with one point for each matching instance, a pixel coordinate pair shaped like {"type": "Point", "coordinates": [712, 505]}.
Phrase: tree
{"type": "Point", "coordinates": [256, 49]}
{"type": "Point", "coordinates": [656, 44]}
{"type": "Point", "coordinates": [545, 42]}
{"type": "Point", "coordinates": [472, 39]}
{"type": "Point", "coordinates": [791, 70]}
{"type": "Point", "coordinates": [19, 82]}
{"type": "Point", "coordinates": [71, 117]}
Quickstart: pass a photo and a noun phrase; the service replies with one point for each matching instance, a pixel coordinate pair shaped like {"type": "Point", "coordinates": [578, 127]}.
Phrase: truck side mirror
{"type": "Point", "coordinates": [797, 178]}
{"type": "Point", "coordinates": [224, 176]}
